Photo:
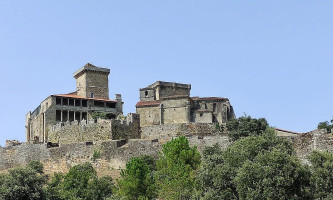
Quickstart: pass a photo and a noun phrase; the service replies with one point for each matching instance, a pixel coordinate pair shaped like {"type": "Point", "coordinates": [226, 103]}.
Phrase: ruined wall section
{"type": "Point", "coordinates": [314, 140]}
{"type": "Point", "coordinates": [60, 159]}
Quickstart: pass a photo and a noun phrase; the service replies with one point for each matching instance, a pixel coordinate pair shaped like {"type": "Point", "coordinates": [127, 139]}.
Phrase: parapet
{"type": "Point", "coordinates": [168, 84]}
{"type": "Point", "coordinates": [92, 68]}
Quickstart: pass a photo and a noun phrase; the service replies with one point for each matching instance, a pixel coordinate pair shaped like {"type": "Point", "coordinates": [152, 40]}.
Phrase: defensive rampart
{"type": "Point", "coordinates": [113, 154]}
{"type": "Point", "coordinates": [108, 154]}
{"type": "Point", "coordinates": [99, 130]}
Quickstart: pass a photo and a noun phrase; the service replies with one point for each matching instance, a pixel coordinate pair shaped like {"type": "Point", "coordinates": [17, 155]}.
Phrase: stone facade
{"type": "Point", "coordinates": [167, 131]}
{"type": "Point", "coordinates": [92, 131]}
{"type": "Point", "coordinates": [91, 96]}
{"type": "Point", "coordinates": [170, 103]}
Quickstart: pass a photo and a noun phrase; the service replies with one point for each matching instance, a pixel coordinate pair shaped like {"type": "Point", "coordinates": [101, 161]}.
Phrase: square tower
{"type": "Point", "coordinates": [92, 82]}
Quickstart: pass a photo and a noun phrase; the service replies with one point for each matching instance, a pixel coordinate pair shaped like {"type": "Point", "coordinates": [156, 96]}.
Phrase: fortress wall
{"type": "Point", "coordinates": [174, 130]}
{"type": "Point", "coordinates": [129, 130]}
{"type": "Point", "coordinates": [65, 133]}
{"type": "Point", "coordinates": [314, 140]}
{"type": "Point", "coordinates": [113, 154]}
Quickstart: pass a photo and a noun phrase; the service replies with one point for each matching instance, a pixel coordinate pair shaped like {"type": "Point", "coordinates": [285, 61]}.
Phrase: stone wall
{"type": "Point", "coordinates": [149, 115]}
{"type": "Point", "coordinates": [60, 159]}
{"type": "Point", "coordinates": [167, 131]}
{"type": "Point", "coordinates": [72, 132]}
{"type": "Point", "coordinates": [176, 111]}
{"type": "Point", "coordinates": [126, 129]}
{"type": "Point", "coordinates": [314, 140]}
{"type": "Point", "coordinates": [97, 83]}
{"type": "Point", "coordinates": [114, 154]}
{"type": "Point", "coordinates": [166, 91]}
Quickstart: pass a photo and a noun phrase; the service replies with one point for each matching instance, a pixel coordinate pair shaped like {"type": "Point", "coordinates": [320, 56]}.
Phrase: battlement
{"type": "Point", "coordinates": [168, 84]}
{"type": "Point", "coordinates": [91, 68]}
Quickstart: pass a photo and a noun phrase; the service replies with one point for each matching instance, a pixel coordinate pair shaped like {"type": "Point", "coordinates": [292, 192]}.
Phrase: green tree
{"type": "Point", "coordinates": [245, 126]}
{"type": "Point", "coordinates": [137, 179]}
{"type": "Point", "coordinates": [273, 175]}
{"type": "Point", "coordinates": [23, 183]}
{"type": "Point", "coordinates": [216, 179]}
{"type": "Point", "coordinates": [176, 169]}
{"type": "Point", "coordinates": [81, 182]}
{"type": "Point", "coordinates": [322, 175]}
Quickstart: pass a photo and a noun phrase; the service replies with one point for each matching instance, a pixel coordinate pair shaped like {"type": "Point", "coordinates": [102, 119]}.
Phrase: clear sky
{"type": "Point", "coordinates": [272, 59]}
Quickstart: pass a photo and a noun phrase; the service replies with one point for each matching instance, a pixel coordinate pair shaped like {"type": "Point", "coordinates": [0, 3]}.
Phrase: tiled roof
{"type": "Point", "coordinates": [148, 103]}
{"type": "Point", "coordinates": [73, 95]}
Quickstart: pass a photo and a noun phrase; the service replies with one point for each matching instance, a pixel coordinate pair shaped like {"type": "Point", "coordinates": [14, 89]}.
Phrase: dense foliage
{"type": "Point", "coordinates": [176, 167]}
{"type": "Point", "coordinates": [137, 179]}
{"type": "Point", "coordinates": [23, 183]}
{"type": "Point", "coordinates": [81, 182]}
{"type": "Point", "coordinates": [322, 175]}
{"type": "Point", "coordinates": [258, 165]}
{"type": "Point", "coordinates": [246, 126]}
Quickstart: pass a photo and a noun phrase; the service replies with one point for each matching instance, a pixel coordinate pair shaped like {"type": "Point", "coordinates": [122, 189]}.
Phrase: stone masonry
{"type": "Point", "coordinates": [170, 103]}
{"type": "Point", "coordinates": [91, 96]}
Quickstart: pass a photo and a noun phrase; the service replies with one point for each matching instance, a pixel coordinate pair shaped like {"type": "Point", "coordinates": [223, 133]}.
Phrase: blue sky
{"type": "Point", "coordinates": [272, 59]}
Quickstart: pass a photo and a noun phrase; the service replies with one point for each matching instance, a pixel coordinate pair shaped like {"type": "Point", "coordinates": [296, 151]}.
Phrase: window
{"type": "Point", "coordinates": [92, 95]}
{"type": "Point", "coordinates": [146, 93]}
{"type": "Point", "coordinates": [58, 101]}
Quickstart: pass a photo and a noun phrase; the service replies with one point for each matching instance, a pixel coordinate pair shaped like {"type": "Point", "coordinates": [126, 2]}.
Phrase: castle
{"type": "Point", "coordinates": [160, 103]}
{"type": "Point", "coordinates": [63, 130]}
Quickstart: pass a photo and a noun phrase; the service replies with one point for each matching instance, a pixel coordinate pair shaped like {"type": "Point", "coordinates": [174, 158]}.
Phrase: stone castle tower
{"type": "Point", "coordinates": [92, 82]}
